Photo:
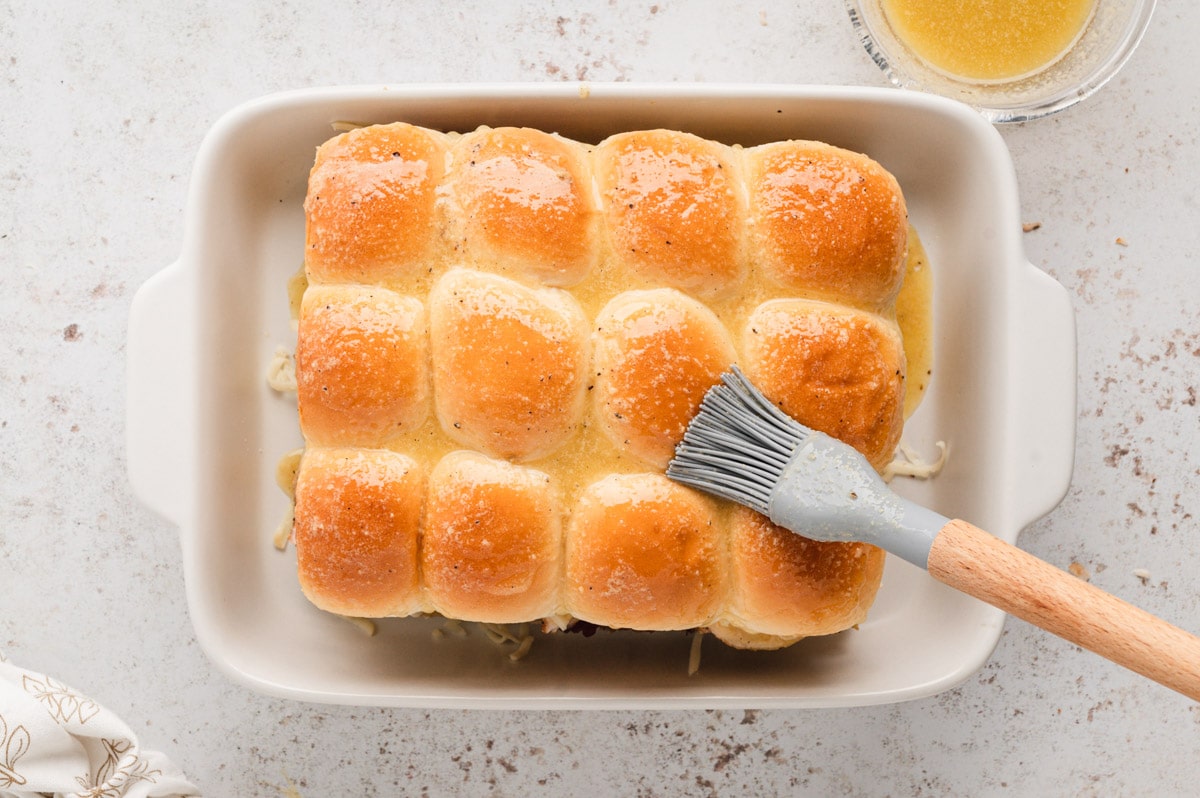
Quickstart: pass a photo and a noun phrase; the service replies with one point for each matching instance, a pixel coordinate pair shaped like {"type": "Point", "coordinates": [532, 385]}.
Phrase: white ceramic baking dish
{"type": "Point", "coordinates": [205, 431]}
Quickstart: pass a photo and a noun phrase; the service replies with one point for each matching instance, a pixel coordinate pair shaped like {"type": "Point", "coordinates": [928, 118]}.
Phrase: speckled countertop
{"type": "Point", "coordinates": [104, 110]}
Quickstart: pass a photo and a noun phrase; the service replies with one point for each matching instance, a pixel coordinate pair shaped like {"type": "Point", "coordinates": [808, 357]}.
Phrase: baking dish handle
{"type": "Point", "coordinates": [160, 398]}
{"type": "Point", "coordinates": [1044, 393]}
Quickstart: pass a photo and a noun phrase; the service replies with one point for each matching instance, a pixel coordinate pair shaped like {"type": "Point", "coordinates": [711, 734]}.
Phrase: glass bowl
{"type": "Point", "coordinates": [1102, 49]}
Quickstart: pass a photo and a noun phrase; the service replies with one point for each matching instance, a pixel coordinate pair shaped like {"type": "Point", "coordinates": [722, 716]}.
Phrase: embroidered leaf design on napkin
{"type": "Point", "coordinates": [14, 744]}
{"type": "Point", "coordinates": [61, 701]}
{"type": "Point", "coordinates": [122, 766]}
{"type": "Point", "coordinates": [113, 751]}
{"type": "Point", "coordinates": [97, 790]}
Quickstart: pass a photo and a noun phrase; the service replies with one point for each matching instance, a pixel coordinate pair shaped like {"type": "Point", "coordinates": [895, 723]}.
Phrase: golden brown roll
{"type": "Point", "coordinates": [371, 211]}
{"type": "Point", "coordinates": [644, 553]}
{"type": "Point", "coordinates": [657, 353]}
{"type": "Point", "coordinates": [524, 203]}
{"type": "Point", "coordinates": [833, 368]}
{"type": "Point", "coordinates": [673, 209]}
{"type": "Point", "coordinates": [784, 586]}
{"type": "Point", "coordinates": [356, 524]}
{"type": "Point", "coordinates": [492, 539]}
{"type": "Point", "coordinates": [826, 221]}
{"type": "Point", "coordinates": [509, 363]}
{"type": "Point", "coordinates": [361, 371]}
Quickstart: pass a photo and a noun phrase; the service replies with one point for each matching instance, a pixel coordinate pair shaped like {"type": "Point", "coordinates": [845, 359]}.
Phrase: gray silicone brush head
{"type": "Point", "coordinates": [743, 448]}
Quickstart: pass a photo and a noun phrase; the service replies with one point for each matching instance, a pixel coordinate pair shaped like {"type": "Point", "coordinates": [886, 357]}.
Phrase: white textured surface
{"type": "Point", "coordinates": [104, 111]}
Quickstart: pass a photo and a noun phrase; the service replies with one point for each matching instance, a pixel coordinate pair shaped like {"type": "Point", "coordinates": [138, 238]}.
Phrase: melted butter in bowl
{"type": "Point", "coordinates": [1012, 60]}
{"type": "Point", "coordinates": [989, 40]}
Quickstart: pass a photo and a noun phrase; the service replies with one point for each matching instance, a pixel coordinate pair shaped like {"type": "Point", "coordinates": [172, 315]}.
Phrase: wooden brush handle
{"type": "Point", "coordinates": [979, 564]}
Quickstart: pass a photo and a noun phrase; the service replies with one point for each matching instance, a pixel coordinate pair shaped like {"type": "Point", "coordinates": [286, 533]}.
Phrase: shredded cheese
{"type": "Point", "coordinates": [286, 471]}
{"type": "Point", "coordinates": [909, 464]}
{"type": "Point", "coordinates": [694, 654]}
{"type": "Point", "coordinates": [450, 627]}
{"type": "Point", "coordinates": [366, 625]}
{"type": "Point", "coordinates": [281, 372]}
{"type": "Point", "coordinates": [504, 634]}
{"type": "Point", "coordinates": [522, 648]}
{"type": "Point", "coordinates": [283, 532]}
{"type": "Point", "coordinates": [556, 623]}
{"type": "Point", "coordinates": [499, 634]}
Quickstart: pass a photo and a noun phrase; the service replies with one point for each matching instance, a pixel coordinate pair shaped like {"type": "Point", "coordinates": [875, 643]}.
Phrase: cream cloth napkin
{"type": "Point", "coordinates": [56, 742]}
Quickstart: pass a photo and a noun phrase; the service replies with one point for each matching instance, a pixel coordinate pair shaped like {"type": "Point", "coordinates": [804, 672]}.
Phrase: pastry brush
{"type": "Point", "coordinates": [742, 447]}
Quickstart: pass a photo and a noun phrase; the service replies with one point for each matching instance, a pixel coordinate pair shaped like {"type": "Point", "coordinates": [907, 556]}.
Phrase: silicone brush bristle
{"type": "Point", "coordinates": [738, 444]}
{"type": "Point", "coordinates": [743, 448]}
